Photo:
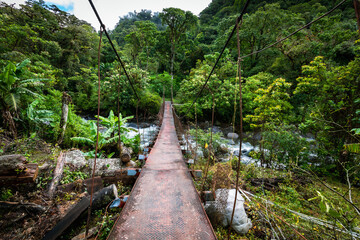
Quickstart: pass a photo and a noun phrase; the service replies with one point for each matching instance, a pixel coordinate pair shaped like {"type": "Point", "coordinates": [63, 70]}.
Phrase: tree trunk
{"type": "Point", "coordinates": [31, 208]}
{"type": "Point", "coordinates": [28, 175]}
{"type": "Point", "coordinates": [357, 12]}
{"type": "Point", "coordinates": [66, 99]}
{"type": "Point", "coordinates": [126, 154]}
{"type": "Point", "coordinates": [57, 175]}
{"type": "Point", "coordinates": [9, 122]}
{"type": "Point", "coordinates": [11, 164]}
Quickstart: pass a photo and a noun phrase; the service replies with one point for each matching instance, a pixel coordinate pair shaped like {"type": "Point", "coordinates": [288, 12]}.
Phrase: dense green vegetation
{"type": "Point", "coordinates": [306, 86]}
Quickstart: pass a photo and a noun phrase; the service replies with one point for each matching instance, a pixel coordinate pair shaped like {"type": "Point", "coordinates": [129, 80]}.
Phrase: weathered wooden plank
{"type": "Point", "coordinates": [28, 175]}
{"type": "Point", "coordinates": [10, 164]}
{"type": "Point", "coordinates": [16, 206]}
{"type": "Point", "coordinates": [126, 176]}
{"type": "Point", "coordinates": [78, 209]}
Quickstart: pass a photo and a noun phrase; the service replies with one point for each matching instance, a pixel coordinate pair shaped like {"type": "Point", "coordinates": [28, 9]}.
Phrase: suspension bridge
{"type": "Point", "coordinates": [164, 203]}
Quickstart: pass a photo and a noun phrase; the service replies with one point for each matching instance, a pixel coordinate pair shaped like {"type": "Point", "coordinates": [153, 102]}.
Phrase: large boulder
{"type": "Point", "coordinates": [232, 135]}
{"type": "Point", "coordinates": [220, 210]}
{"type": "Point", "coordinates": [76, 158]}
{"type": "Point", "coordinates": [106, 166]}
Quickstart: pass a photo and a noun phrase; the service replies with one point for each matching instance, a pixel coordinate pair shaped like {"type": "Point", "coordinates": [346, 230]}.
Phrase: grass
{"type": "Point", "coordinates": [274, 210]}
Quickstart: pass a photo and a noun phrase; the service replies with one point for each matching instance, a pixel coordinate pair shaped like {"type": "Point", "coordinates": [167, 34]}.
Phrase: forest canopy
{"type": "Point", "coordinates": [306, 84]}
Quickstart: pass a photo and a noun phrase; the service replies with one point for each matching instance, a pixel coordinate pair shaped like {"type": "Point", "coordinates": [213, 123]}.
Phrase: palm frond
{"type": "Point", "coordinates": [34, 80]}
{"type": "Point", "coordinates": [353, 147]}
{"type": "Point", "coordinates": [111, 140]}
{"type": "Point", "coordinates": [108, 132]}
{"type": "Point", "coordinates": [82, 140]}
{"type": "Point", "coordinates": [12, 100]}
{"type": "Point", "coordinates": [31, 109]}
{"type": "Point", "coordinates": [111, 115]}
{"type": "Point", "coordinates": [23, 64]}
{"type": "Point", "coordinates": [8, 75]}
{"type": "Point", "coordinates": [93, 128]}
{"type": "Point", "coordinates": [25, 90]}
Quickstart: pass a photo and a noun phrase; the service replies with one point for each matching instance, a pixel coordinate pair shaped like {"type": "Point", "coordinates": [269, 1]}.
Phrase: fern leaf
{"type": "Point", "coordinates": [353, 147]}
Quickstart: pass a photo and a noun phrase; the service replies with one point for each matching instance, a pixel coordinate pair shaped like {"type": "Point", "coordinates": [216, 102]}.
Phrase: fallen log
{"type": "Point", "coordinates": [28, 175]}
{"type": "Point", "coordinates": [127, 176]}
{"type": "Point", "coordinates": [16, 206]}
{"type": "Point", "coordinates": [12, 164]}
{"type": "Point", "coordinates": [80, 185]}
{"type": "Point", "coordinates": [57, 175]}
{"type": "Point", "coordinates": [125, 154]}
{"type": "Point", "coordinates": [91, 233]}
{"type": "Point", "coordinates": [98, 199]}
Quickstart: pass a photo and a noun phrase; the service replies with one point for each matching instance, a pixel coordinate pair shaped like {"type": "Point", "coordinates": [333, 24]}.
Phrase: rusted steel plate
{"type": "Point", "coordinates": [164, 203]}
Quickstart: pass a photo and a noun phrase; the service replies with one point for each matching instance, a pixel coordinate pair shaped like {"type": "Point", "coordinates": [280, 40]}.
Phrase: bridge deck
{"type": "Point", "coordinates": [164, 203]}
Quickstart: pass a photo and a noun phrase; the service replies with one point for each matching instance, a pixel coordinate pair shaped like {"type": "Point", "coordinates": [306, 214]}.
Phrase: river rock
{"type": "Point", "coordinates": [227, 130]}
{"type": "Point", "coordinates": [232, 135]}
{"type": "Point", "coordinates": [199, 153]}
{"type": "Point", "coordinates": [220, 210]}
{"type": "Point", "coordinates": [223, 148]}
{"type": "Point", "coordinates": [75, 158]}
{"type": "Point", "coordinates": [216, 129]}
{"type": "Point", "coordinates": [131, 164]}
{"type": "Point", "coordinates": [144, 125]}
{"type": "Point", "coordinates": [106, 166]}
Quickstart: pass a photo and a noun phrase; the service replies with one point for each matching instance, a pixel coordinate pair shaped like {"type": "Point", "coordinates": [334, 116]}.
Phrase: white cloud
{"type": "Point", "coordinates": [111, 10]}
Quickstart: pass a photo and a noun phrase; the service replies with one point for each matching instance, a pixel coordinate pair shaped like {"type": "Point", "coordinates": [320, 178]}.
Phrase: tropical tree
{"type": "Point", "coordinates": [12, 87]}
{"type": "Point", "coordinates": [141, 40]}
{"type": "Point", "coordinates": [272, 105]}
{"type": "Point", "coordinates": [108, 136]}
{"type": "Point", "coordinates": [178, 22]}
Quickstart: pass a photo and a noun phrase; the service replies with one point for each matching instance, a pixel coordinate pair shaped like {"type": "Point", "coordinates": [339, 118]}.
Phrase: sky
{"type": "Point", "coordinates": [111, 10]}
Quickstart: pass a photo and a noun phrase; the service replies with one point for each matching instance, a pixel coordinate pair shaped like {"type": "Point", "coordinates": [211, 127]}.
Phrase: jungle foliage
{"type": "Point", "coordinates": [306, 87]}
{"type": "Point", "coordinates": [307, 84]}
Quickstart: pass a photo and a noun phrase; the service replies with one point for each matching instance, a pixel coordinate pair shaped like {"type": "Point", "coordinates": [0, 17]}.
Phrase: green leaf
{"type": "Point", "coordinates": [356, 130]}
{"type": "Point", "coordinates": [353, 147]}
{"type": "Point", "coordinates": [82, 140]}
{"type": "Point", "coordinates": [23, 64]}
{"type": "Point", "coordinates": [334, 213]}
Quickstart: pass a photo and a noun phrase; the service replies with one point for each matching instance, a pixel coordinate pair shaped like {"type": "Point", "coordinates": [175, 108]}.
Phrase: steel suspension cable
{"type": "Point", "coordinates": [118, 114]}
{"type": "Point", "coordinates": [219, 57]}
{"type": "Point", "coordinates": [113, 47]}
{"type": "Point", "coordinates": [209, 147]}
{"type": "Point", "coordinates": [238, 23]}
{"type": "Point", "coordinates": [97, 138]}
{"type": "Point", "coordinates": [196, 136]}
{"type": "Point", "coordinates": [298, 30]}
{"type": "Point", "coordinates": [259, 51]}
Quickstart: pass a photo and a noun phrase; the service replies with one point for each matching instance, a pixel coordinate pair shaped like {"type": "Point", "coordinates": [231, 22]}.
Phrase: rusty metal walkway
{"type": "Point", "coordinates": [164, 203]}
